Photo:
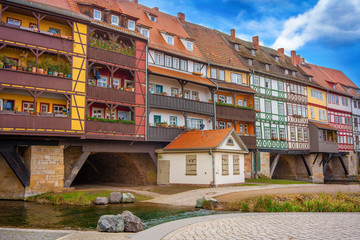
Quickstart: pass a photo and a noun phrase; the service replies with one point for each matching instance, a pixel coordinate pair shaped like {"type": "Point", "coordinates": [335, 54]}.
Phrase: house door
{"type": "Point", "coordinates": [163, 176]}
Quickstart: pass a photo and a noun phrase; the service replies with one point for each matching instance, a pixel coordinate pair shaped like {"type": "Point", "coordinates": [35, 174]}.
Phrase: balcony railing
{"type": "Point", "coordinates": [35, 38]}
{"type": "Point", "coordinates": [35, 80]}
{"type": "Point", "coordinates": [109, 128]}
{"type": "Point", "coordinates": [111, 57]}
{"type": "Point", "coordinates": [328, 147]}
{"type": "Point", "coordinates": [163, 134]}
{"type": "Point", "coordinates": [20, 120]}
{"type": "Point", "coordinates": [235, 113]}
{"type": "Point", "coordinates": [249, 140]}
{"type": "Point", "coordinates": [109, 94]}
{"type": "Point", "coordinates": [180, 104]}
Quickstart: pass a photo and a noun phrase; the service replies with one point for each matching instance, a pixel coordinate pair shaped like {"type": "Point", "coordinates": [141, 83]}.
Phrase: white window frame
{"type": "Point", "coordinates": [145, 32]}
{"type": "Point", "coordinates": [131, 25]}
{"type": "Point", "coordinates": [222, 75]}
{"type": "Point", "coordinates": [115, 20]}
{"type": "Point", "coordinates": [168, 61]}
{"type": "Point", "coordinates": [213, 73]}
{"type": "Point", "coordinates": [189, 46]}
{"type": "Point", "coordinates": [176, 63]}
{"type": "Point", "coordinates": [101, 81]}
{"type": "Point", "coordinates": [312, 113]}
{"type": "Point", "coordinates": [236, 78]}
{"type": "Point", "coordinates": [100, 111]}
{"type": "Point", "coordinates": [170, 40]}
{"type": "Point", "coordinates": [229, 100]}
{"type": "Point", "coordinates": [183, 65]}
{"type": "Point", "coordinates": [97, 12]}
{"type": "Point", "coordinates": [158, 58]}
{"type": "Point", "coordinates": [197, 68]}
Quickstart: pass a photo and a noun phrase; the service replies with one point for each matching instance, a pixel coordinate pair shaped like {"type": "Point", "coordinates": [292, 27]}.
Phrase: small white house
{"type": "Point", "coordinates": [211, 157]}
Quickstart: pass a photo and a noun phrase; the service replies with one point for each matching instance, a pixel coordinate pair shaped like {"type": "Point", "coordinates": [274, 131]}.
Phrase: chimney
{"type": "Point", "coordinates": [156, 8]}
{"type": "Point", "coordinates": [232, 34]}
{"type": "Point", "coordinates": [256, 43]}
{"type": "Point", "coordinates": [134, 1]}
{"type": "Point", "coordinates": [293, 57]}
{"type": "Point", "coordinates": [181, 17]}
{"type": "Point", "coordinates": [281, 53]}
{"type": "Point", "coordinates": [298, 59]}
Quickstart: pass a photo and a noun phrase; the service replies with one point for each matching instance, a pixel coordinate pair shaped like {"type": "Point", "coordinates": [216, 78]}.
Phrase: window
{"type": "Point", "coordinates": [281, 109]}
{"type": "Point", "coordinates": [300, 135]}
{"type": "Point", "coordinates": [236, 78]}
{"type": "Point", "coordinates": [267, 83]}
{"type": "Point", "coordinates": [290, 110]}
{"type": "Point", "coordinates": [237, 46]}
{"type": "Point", "coordinates": [168, 61]}
{"type": "Point", "coordinates": [96, 112]}
{"type": "Point", "coordinates": [258, 132]}
{"type": "Point", "coordinates": [158, 89]}
{"type": "Point", "coordinates": [157, 119]}
{"type": "Point", "coordinates": [196, 123]}
{"type": "Point", "coordinates": [183, 65]}
{"type": "Point", "coordinates": [236, 165]}
{"type": "Point", "coordinates": [241, 128]}
{"type": "Point", "coordinates": [299, 110]}
{"type": "Point", "coordinates": [320, 115]}
{"type": "Point", "coordinates": [170, 40]}
{"type": "Point", "coordinates": [246, 128]}
{"type": "Point", "coordinates": [197, 68]}
{"type": "Point", "coordinates": [173, 121]}
{"type": "Point", "coordinates": [54, 30]}
{"type": "Point", "coordinates": [176, 63]}
{"type": "Point", "coordinates": [282, 134]}
{"type": "Point", "coordinates": [306, 135]}
{"type": "Point", "coordinates": [267, 67]}
{"type": "Point", "coordinates": [7, 105]}
{"type": "Point", "coordinates": [276, 58]}
{"type": "Point", "coordinates": [286, 71]}
{"type": "Point", "coordinates": [267, 133]}
{"type": "Point", "coordinates": [213, 73]}
{"type": "Point", "coordinates": [102, 82]}
{"type": "Point", "coordinates": [44, 107]}
{"type": "Point", "coordinates": [241, 102]}
{"type": "Point", "coordinates": [123, 115]}
{"type": "Point", "coordinates": [312, 113]}
{"type": "Point", "coordinates": [230, 142]}
{"type": "Point", "coordinates": [116, 83]}
{"type": "Point", "coordinates": [336, 119]}
{"type": "Point", "coordinates": [190, 165]}
{"type": "Point", "coordinates": [221, 75]}
{"type": "Point", "coordinates": [131, 25]}
{"type": "Point", "coordinates": [221, 98]}
{"type": "Point", "coordinates": [292, 133]}
{"type": "Point", "coordinates": [337, 99]}
{"type": "Point", "coordinates": [14, 21]}
{"type": "Point", "coordinates": [229, 100]}
{"type": "Point", "coordinates": [293, 73]}
{"type": "Point", "coordinates": [28, 106]}
{"type": "Point", "coordinates": [253, 52]}
{"type": "Point", "coordinates": [273, 133]}
{"type": "Point", "coordinates": [158, 58]}
{"type": "Point", "coordinates": [250, 61]}
{"type": "Point", "coordinates": [256, 80]}
{"type": "Point", "coordinates": [97, 15]}
{"type": "Point", "coordinates": [174, 92]}
{"type": "Point", "coordinates": [195, 95]}
{"type": "Point", "coordinates": [152, 88]}
{"type": "Point", "coordinates": [189, 46]}
{"type": "Point", "coordinates": [324, 115]}
{"type": "Point", "coordinates": [145, 32]}
{"type": "Point", "coordinates": [267, 107]}
{"type": "Point", "coordinates": [225, 164]}
{"type": "Point", "coordinates": [245, 102]}
{"type": "Point", "coordinates": [294, 110]}
{"type": "Point", "coordinates": [257, 104]}
{"type": "Point", "coordinates": [333, 98]}
{"type": "Point", "coordinates": [343, 101]}
{"type": "Point", "coordinates": [152, 18]}
{"type": "Point", "coordinates": [229, 125]}
{"type": "Point", "coordinates": [281, 86]}
{"type": "Point", "coordinates": [114, 20]}
{"type": "Point", "coordinates": [187, 94]}
{"type": "Point", "coordinates": [304, 112]}
{"type": "Point", "coordinates": [329, 98]}
{"type": "Point", "coordinates": [221, 125]}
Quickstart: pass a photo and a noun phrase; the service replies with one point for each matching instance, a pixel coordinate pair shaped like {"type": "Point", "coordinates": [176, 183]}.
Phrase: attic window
{"type": "Point", "coordinates": [237, 46]}
{"type": "Point", "coordinates": [253, 52]}
{"type": "Point", "coordinates": [230, 142]}
{"type": "Point", "coordinates": [293, 73]}
{"type": "Point", "coordinates": [152, 18]}
{"type": "Point", "coordinates": [267, 67]}
{"type": "Point", "coordinates": [250, 61]}
{"type": "Point", "coordinates": [131, 25]}
{"type": "Point", "coordinates": [97, 15]}
{"type": "Point", "coordinates": [310, 78]}
{"type": "Point", "coordinates": [347, 89]}
{"type": "Point", "coordinates": [189, 46]}
{"type": "Point", "coordinates": [286, 71]}
{"type": "Point", "coordinates": [114, 20]}
{"type": "Point", "coordinates": [170, 40]}
{"type": "Point", "coordinates": [145, 32]}
{"type": "Point", "coordinates": [277, 58]}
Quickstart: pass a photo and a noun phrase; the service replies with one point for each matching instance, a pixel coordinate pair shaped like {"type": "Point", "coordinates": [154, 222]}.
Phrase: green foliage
{"type": "Point", "coordinates": [275, 181]}
{"type": "Point", "coordinates": [48, 64]}
{"type": "Point", "coordinates": [236, 106]}
{"type": "Point", "coordinates": [31, 63]}
{"type": "Point", "coordinates": [104, 43]}
{"type": "Point", "coordinates": [110, 120]}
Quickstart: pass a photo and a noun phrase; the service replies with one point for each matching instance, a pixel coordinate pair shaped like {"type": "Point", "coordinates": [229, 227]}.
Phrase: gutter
{"type": "Point", "coordinates": [147, 94]}
{"type": "Point", "coordinates": [217, 88]}
{"type": "Point", "coordinates": [213, 166]}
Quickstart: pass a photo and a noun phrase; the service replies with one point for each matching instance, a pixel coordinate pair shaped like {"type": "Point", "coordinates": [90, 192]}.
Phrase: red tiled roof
{"type": "Point", "coordinates": [179, 75]}
{"type": "Point", "coordinates": [199, 139]}
{"type": "Point", "coordinates": [323, 125]}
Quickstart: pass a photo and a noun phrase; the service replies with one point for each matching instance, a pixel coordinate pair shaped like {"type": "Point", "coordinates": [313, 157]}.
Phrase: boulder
{"type": "Point", "coordinates": [213, 202]}
{"type": "Point", "coordinates": [101, 201]}
{"type": "Point", "coordinates": [132, 222]}
{"type": "Point", "coordinates": [111, 223]}
{"type": "Point", "coordinates": [115, 197]}
{"type": "Point", "coordinates": [200, 202]}
{"type": "Point", "coordinates": [127, 198]}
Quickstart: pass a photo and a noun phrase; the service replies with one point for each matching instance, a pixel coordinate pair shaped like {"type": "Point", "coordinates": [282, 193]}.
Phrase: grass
{"type": "Point", "coordinates": [76, 198]}
{"type": "Point", "coordinates": [168, 190]}
{"type": "Point", "coordinates": [275, 181]}
{"type": "Point", "coordinates": [340, 202]}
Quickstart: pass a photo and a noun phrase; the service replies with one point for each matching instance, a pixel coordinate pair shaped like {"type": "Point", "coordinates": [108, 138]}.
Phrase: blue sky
{"type": "Point", "coordinates": [324, 32]}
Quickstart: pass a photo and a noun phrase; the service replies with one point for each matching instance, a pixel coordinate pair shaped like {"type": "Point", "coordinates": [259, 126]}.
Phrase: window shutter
{"type": "Point", "coordinates": [225, 165]}
{"type": "Point", "coordinates": [236, 165]}
{"type": "Point", "coordinates": [190, 164]}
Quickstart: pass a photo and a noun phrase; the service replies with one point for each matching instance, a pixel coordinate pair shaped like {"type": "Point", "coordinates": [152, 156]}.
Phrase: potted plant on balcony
{"type": "Point", "coordinates": [2, 59]}
{"type": "Point", "coordinates": [12, 64]}
{"type": "Point", "coordinates": [210, 100]}
{"type": "Point", "coordinates": [164, 93]}
{"type": "Point", "coordinates": [48, 65]}
{"type": "Point", "coordinates": [31, 65]}
{"type": "Point", "coordinates": [54, 70]}
{"type": "Point", "coordinates": [40, 69]}
{"type": "Point", "coordinates": [67, 70]}
{"type": "Point", "coordinates": [282, 139]}
{"type": "Point", "coordinates": [274, 138]}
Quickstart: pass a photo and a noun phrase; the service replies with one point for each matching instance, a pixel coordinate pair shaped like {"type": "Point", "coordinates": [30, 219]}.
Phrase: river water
{"type": "Point", "coordinates": [32, 215]}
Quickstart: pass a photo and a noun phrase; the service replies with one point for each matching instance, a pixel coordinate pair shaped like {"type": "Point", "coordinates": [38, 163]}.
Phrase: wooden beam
{"type": "Point", "coordinates": [317, 154]}
{"type": "Point", "coordinates": [306, 165]}
{"type": "Point", "coordinates": [76, 168]}
{"type": "Point", "coordinates": [344, 166]}
{"type": "Point", "coordinates": [325, 163]}
{"type": "Point", "coordinates": [153, 158]}
{"type": "Point", "coordinates": [18, 166]}
{"type": "Point", "coordinates": [273, 165]}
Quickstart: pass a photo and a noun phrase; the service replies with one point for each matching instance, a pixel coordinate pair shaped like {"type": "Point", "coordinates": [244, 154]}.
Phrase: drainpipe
{"type": "Point", "coordinates": [253, 156]}
{"type": "Point", "coordinates": [147, 94]}
{"type": "Point", "coordinates": [213, 165]}
{"type": "Point", "coordinates": [217, 88]}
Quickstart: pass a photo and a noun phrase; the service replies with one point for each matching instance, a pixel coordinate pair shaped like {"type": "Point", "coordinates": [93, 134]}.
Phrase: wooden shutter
{"type": "Point", "coordinates": [190, 164]}
{"type": "Point", "coordinates": [236, 165]}
{"type": "Point", "coordinates": [225, 165]}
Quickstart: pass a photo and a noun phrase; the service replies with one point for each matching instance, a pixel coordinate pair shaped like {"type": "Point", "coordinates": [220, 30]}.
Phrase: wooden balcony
{"type": "Point", "coordinates": [163, 134]}
{"type": "Point", "coordinates": [249, 140]}
{"type": "Point", "coordinates": [30, 122]}
{"type": "Point", "coordinates": [35, 80]}
{"type": "Point", "coordinates": [180, 104]}
{"type": "Point", "coordinates": [16, 34]}
{"type": "Point", "coordinates": [109, 94]}
{"type": "Point", "coordinates": [111, 57]}
{"type": "Point", "coordinates": [235, 113]}
{"type": "Point", "coordinates": [109, 128]}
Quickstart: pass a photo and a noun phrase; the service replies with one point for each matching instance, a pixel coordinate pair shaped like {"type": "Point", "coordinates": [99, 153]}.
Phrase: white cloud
{"type": "Point", "coordinates": [330, 21]}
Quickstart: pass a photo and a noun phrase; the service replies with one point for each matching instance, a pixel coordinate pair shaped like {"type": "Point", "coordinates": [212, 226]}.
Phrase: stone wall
{"type": "Point", "coordinates": [265, 164]}
{"type": "Point", "coordinates": [247, 165]}
{"type": "Point", "coordinates": [291, 167]}
{"type": "Point", "coordinates": [71, 155]}
{"type": "Point", "coordinates": [10, 185]}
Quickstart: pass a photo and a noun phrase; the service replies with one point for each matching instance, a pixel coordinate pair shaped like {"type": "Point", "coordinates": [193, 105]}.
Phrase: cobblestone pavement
{"type": "Point", "coordinates": [30, 234]}
{"type": "Point", "coordinates": [274, 226]}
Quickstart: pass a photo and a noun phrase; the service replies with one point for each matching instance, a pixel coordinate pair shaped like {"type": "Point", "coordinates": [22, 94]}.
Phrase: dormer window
{"type": "Point", "coordinates": [131, 25]}
{"type": "Point", "coordinates": [114, 20]}
{"type": "Point", "coordinates": [170, 40]}
{"type": "Point", "coordinates": [277, 58]}
{"type": "Point", "coordinates": [230, 142]}
{"type": "Point", "coordinates": [267, 67]}
{"type": "Point", "coordinates": [293, 73]}
{"type": "Point", "coordinates": [286, 71]}
{"type": "Point", "coordinates": [334, 86]}
{"type": "Point", "coordinates": [97, 15]}
{"type": "Point", "coordinates": [250, 61]}
{"type": "Point", "coordinates": [189, 46]}
{"type": "Point", "coordinates": [237, 46]}
{"type": "Point", "coordinates": [145, 32]}
{"type": "Point", "coordinates": [253, 52]}
{"type": "Point", "coordinates": [310, 78]}
{"type": "Point", "coordinates": [197, 68]}
{"type": "Point", "coordinates": [152, 18]}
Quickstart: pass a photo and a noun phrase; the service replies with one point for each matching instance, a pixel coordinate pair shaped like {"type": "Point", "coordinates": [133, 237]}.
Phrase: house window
{"type": "Point", "coordinates": [290, 110]}
{"type": "Point", "coordinates": [116, 83]}
{"type": "Point", "coordinates": [152, 88]}
{"type": "Point", "coordinates": [123, 115]}
{"type": "Point", "coordinates": [273, 133]}
{"type": "Point", "coordinates": [187, 94]}
{"type": "Point", "coordinates": [225, 164]}
{"type": "Point", "coordinates": [337, 99]}
{"type": "Point", "coordinates": [174, 92]}
{"type": "Point", "coordinates": [312, 113]}
{"type": "Point", "coordinates": [14, 21]}
{"type": "Point", "coordinates": [102, 82]}
{"type": "Point", "coordinates": [197, 68]}
{"type": "Point", "coordinates": [28, 106]}
{"type": "Point", "coordinates": [286, 71]}
{"type": "Point", "coordinates": [281, 86]}
{"type": "Point", "coordinates": [44, 107]}
{"type": "Point", "coordinates": [159, 89]}
{"type": "Point", "coordinates": [306, 136]}
{"type": "Point", "coordinates": [190, 165]}
{"type": "Point", "coordinates": [267, 67]}
{"type": "Point", "coordinates": [221, 125]}
{"type": "Point", "coordinates": [250, 61]}
{"type": "Point", "coordinates": [300, 135]}
{"type": "Point", "coordinates": [173, 121]}
{"type": "Point", "coordinates": [241, 128]}
{"type": "Point", "coordinates": [299, 110]}
{"type": "Point", "coordinates": [170, 40]}
{"type": "Point", "coordinates": [258, 132]}
{"type": "Point", "coordinates": [114, 20]}
{"type": "Point", "coordinates": [267, 83]}
{"type": "Point", "coordinates": [320, 115]}
{"type": "Point", "coordinates": [236, 78]}
{"type": "Point", "coordinates": [221, 98]}
{"type": "Point", "coordinates": [158, 57]}
{"type": "Point", "coordinates": [97, 15]}
{"type": "Point", "coordinates": [221, 75]}
{"type": "Point", "coordinates": [96, 112]}
{"type": "Point", "coordinates": [241, 102]}
{"type": "Point", "coordinates": [7, 105]}
{"type": "Point", "coordinates": [195, 95]}
{"type": "Point", "coordinates": [276, 58]}
{"type": "Point", "coordinates": [213, 73]}
{"type": "Point", "coordinates": [292, 133]}
{"type": "Point", "coordinates": [54, 30]}
{"type": "Point", "coordinates": [329, 98]}
{"type": "Point", "coordinates": [257, 104]}
{"type": "Point", "coordinates": [281, 109]}
{"type": "Point", "coordinates": [293, 73]}
{"type": "Point", "coordinates": [245, 102]}
{"type": "Point", "coordinates": [152, 18]}
{"type": "Point", "coordinates": [189, 46]}
{"type": "Point", "coordinates": [282, 134]}
{"type": "Point", "coordinates": [229, 125]}
{"type": "Point", "coordinates": [229, 100]}
{"type": "Point", "coordinates": [176, 63]}
{"type": "Point", "coordinates": [294, 110]}
{"type": "Point", "coordinates": [267, 107]}
{"type": "Point", "coordinates": [196, 123]}
{"type": "Point", "coordinates": [183, 65]}
{"type": "Point", "coordinates": [236, 46]}
{"type": "Point", "coordinates": [256, 80]}
{"type": "Point", "coordinates": [246, 128]}
{"type": "Point", "coordinates": [131, 25]}
{"type": "Point", "coordinates": [145, 32]}
{"type": "Point", "coordinates": [236, 165]}
{"type": "Point", "coordinates": [304, 112]}
{"type": "Point", "coordinates": [253, 52]}
{"type": "Point", "coordinates": [230, 142]}
{"type": "Point", "coordinates": [267, 133]}
{"type": "Point", "coordinates": [324, 115]}
{"type": "Point", "coordinates": [168, 61]}
{"type": "Point", "coordinates": [157, 119]}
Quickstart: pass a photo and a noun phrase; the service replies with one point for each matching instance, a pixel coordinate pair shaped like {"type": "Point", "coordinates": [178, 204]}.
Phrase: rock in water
{"type": "Point", "coordinates": [115, 197]}
{"type": "Point", "coordinates": [111, 223]}
{"type": "Point", "coordinates": [213, 202]}
{"type": "Point", "coordinates": [127, 198]}
{"type": "Point", "coordinates": [101, 201]}
{"type": "Point", "coordinates": [132, 222]}
{"type": "Point", "coordinates": [200, 202]}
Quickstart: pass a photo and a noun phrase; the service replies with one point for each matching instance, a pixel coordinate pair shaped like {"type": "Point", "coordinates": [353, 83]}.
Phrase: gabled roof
{"type": "Point", "coordinates": [209, 139]}
{"type": "Point", "coordinates": [325, 126]}
{"type": "Point", "coordinates": [213, 48]}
